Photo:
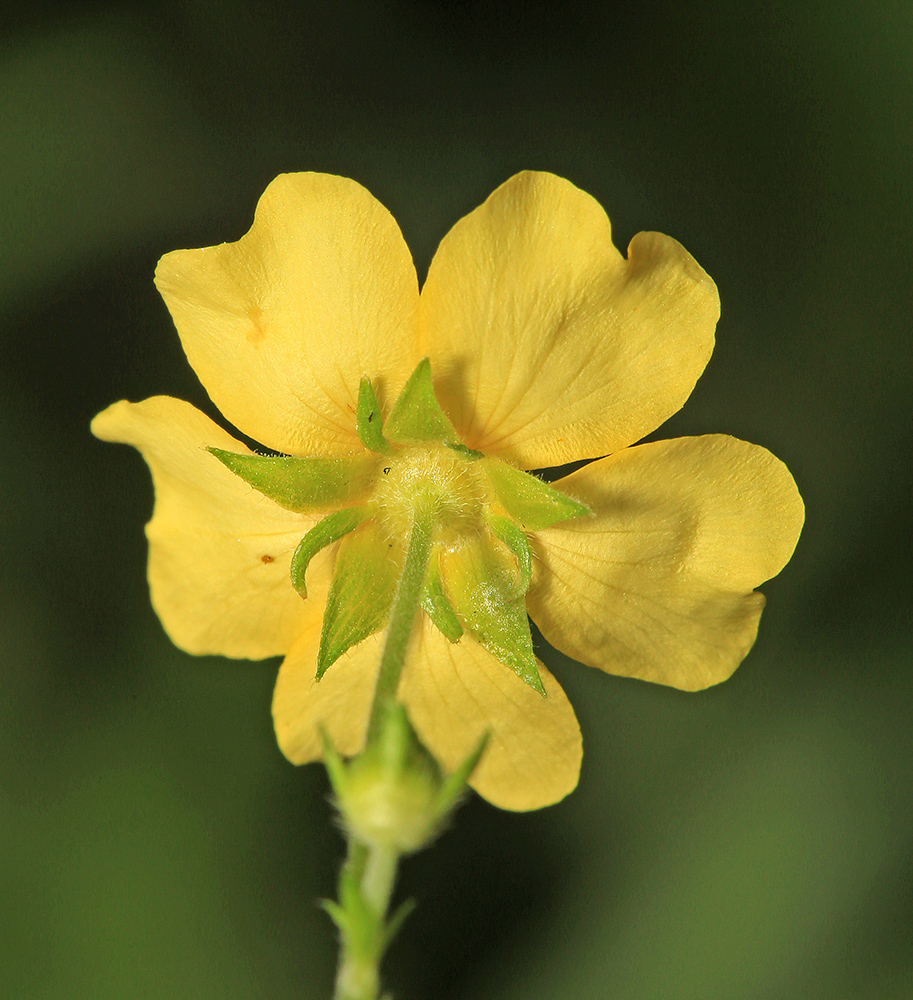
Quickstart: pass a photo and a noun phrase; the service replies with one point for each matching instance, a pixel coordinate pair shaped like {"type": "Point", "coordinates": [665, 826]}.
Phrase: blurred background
{"type": "Point", "coordinates": [752, 842]}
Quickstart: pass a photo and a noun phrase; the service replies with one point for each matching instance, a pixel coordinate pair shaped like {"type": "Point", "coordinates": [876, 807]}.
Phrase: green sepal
{"type": "Point", "coordinates": [367, 570]}
{"type": "Point", "coordinates": [454, 786]}
{"type": "Point", "coordinates": [333, 762]}
{"type": "Point", "coordinates": [302, 484]}
{"type": "Point", "coordinates": [515, 539]}
{"type": "Point", "coordinates": [529, 501]}
{"type": "Point", "coordinates": [465, 450]}
{"type": "Point", "coordinates": [417, 415]}
{"type": "Point", "coordinates": [369, 421]}
{"type": "Point", "coordinates": [396, 921]}
{"type": "Point", "coordinates": [436, 605]}
{"type": "Point", "coordinates": [333, 527]}
{"type": "Point", "coordinates": [482, 586]}
{"type": "Point", "coordinates": [337, 914]}
{"type": "Point", "coordinates": [399, 752]}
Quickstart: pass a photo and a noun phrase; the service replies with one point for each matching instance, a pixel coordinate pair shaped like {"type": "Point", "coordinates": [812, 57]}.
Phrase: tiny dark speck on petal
{"type": "Point", "coordinates": [266, 559]}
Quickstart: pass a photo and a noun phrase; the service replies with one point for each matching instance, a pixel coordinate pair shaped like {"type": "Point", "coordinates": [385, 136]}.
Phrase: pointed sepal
{"type": "Point", "coordinates": [436, 605]}
{"type": "Point", "coordinates": [333, 527]}
{"type": "Point", "coordinates": [483, 588]}
{"type": "Point", "coordinates": [417, 415]}
{"type": "Point", "coordinates": [455, 785]}
{"type": "Point", "coordinates": [369, 422]}
{"type": "Point", "coordinates": [333, 762]}
{"type": "Point", "coordinates": [367, 570]}
{"type": "Point", "coordinates": [533, 504]}
{"type": "Point", "coordinates": [303, 484]}
{"type": "Point", "coordinates": [396, 921]}
{"type": "Point", "coordinates": [337, 914]}
{"type": "Point", "coordinates": [515, 539]}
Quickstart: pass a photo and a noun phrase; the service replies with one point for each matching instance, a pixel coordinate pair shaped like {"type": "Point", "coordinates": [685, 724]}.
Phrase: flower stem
{"type": "Point", "coordinates": [379, 876]}
{"type": "Point", "coordinates": [402, 620]}
{"type": "Point", "coordinates": [369, 873]}
{"type": "Point", "coordinates": [373, 869]}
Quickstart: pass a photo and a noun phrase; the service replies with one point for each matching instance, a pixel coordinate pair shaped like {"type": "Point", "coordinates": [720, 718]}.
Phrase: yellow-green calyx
{"type": "Point", "coordinates": [394, 795]}
{"type": "Point", "coordinates": [414, 467]}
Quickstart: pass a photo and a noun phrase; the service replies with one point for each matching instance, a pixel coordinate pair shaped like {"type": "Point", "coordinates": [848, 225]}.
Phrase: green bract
{"type": "Point", "coordinates": [488, 597]}
{"type": "Point", "coordinates": [534, 505]}
{"type": "Point", "coordinates": [417, 415]}
{"type": "Point", "coordinates": [303, 484]}
{"type": "Point", "coordinates": [364, 582]}
{"type": "Point", "coordinates": [479, 566]}
{"type": "Point", "coordinates": [333, 527]}
{"type": "Point", "coordinates": [437, 605]}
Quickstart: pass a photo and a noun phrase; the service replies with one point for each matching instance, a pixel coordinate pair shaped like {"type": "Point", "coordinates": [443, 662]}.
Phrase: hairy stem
{"type": "Point", "coordinates": [370, 870]}
{"type": "Point", "coordinates": [402, 620]}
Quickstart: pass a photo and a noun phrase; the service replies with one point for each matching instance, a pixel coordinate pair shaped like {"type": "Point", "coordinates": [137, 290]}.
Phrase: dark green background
{"type": "Point", "coordinates": [749, 843]}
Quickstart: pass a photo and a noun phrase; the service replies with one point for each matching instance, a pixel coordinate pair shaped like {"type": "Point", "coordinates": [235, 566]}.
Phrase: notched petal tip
{"type": "Point", "coordinates": [124, 422]}
{"type": "Point", "coordinates": [280, 324]}
{"type": "Point", "coordinates": [218, 551]}
{"type": "Point", "coordinates": [660, 585]}
{"type": "Point", "coordinates": [550, 346]}
{"type": "Point", "coordinates": [102, 424]}
{"type": "Point", "coordinates": [651, 257]}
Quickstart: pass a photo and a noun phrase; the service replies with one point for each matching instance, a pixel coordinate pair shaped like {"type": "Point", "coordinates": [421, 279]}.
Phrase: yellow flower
{"type": "Point", "coordinates": [546, 347]}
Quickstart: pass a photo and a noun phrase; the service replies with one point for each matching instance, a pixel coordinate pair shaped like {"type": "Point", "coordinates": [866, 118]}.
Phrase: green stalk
{"type": "Point", "coordinates": [402, 618]}
{"type": "Point", "coordinates": [379, 876]}
{"type": "Point", "coordinates": [365, 937]}
{"type": "Point", "coordinates": [369, 873]}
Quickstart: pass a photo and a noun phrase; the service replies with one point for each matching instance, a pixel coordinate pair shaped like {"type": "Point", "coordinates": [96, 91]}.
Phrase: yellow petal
{"type": "Point", "coordinates": [219, 552]}
{"type": "Point", "coordinates": [659, 584]}
{"type": "Point", "coordinates": [339, 703]}
{"type": "Point", "coordinates": [282, 325]}
{"type": "Point", "coordinates": [532, 758]}
{"type": "Point", "coordinates": [455, 692]}
{"type": "Point", "coordinates": [546, 344]}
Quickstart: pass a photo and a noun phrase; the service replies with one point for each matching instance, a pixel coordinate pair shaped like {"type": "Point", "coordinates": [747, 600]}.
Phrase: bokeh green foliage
{"type": "Point", "coordinates": [753, 841]}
